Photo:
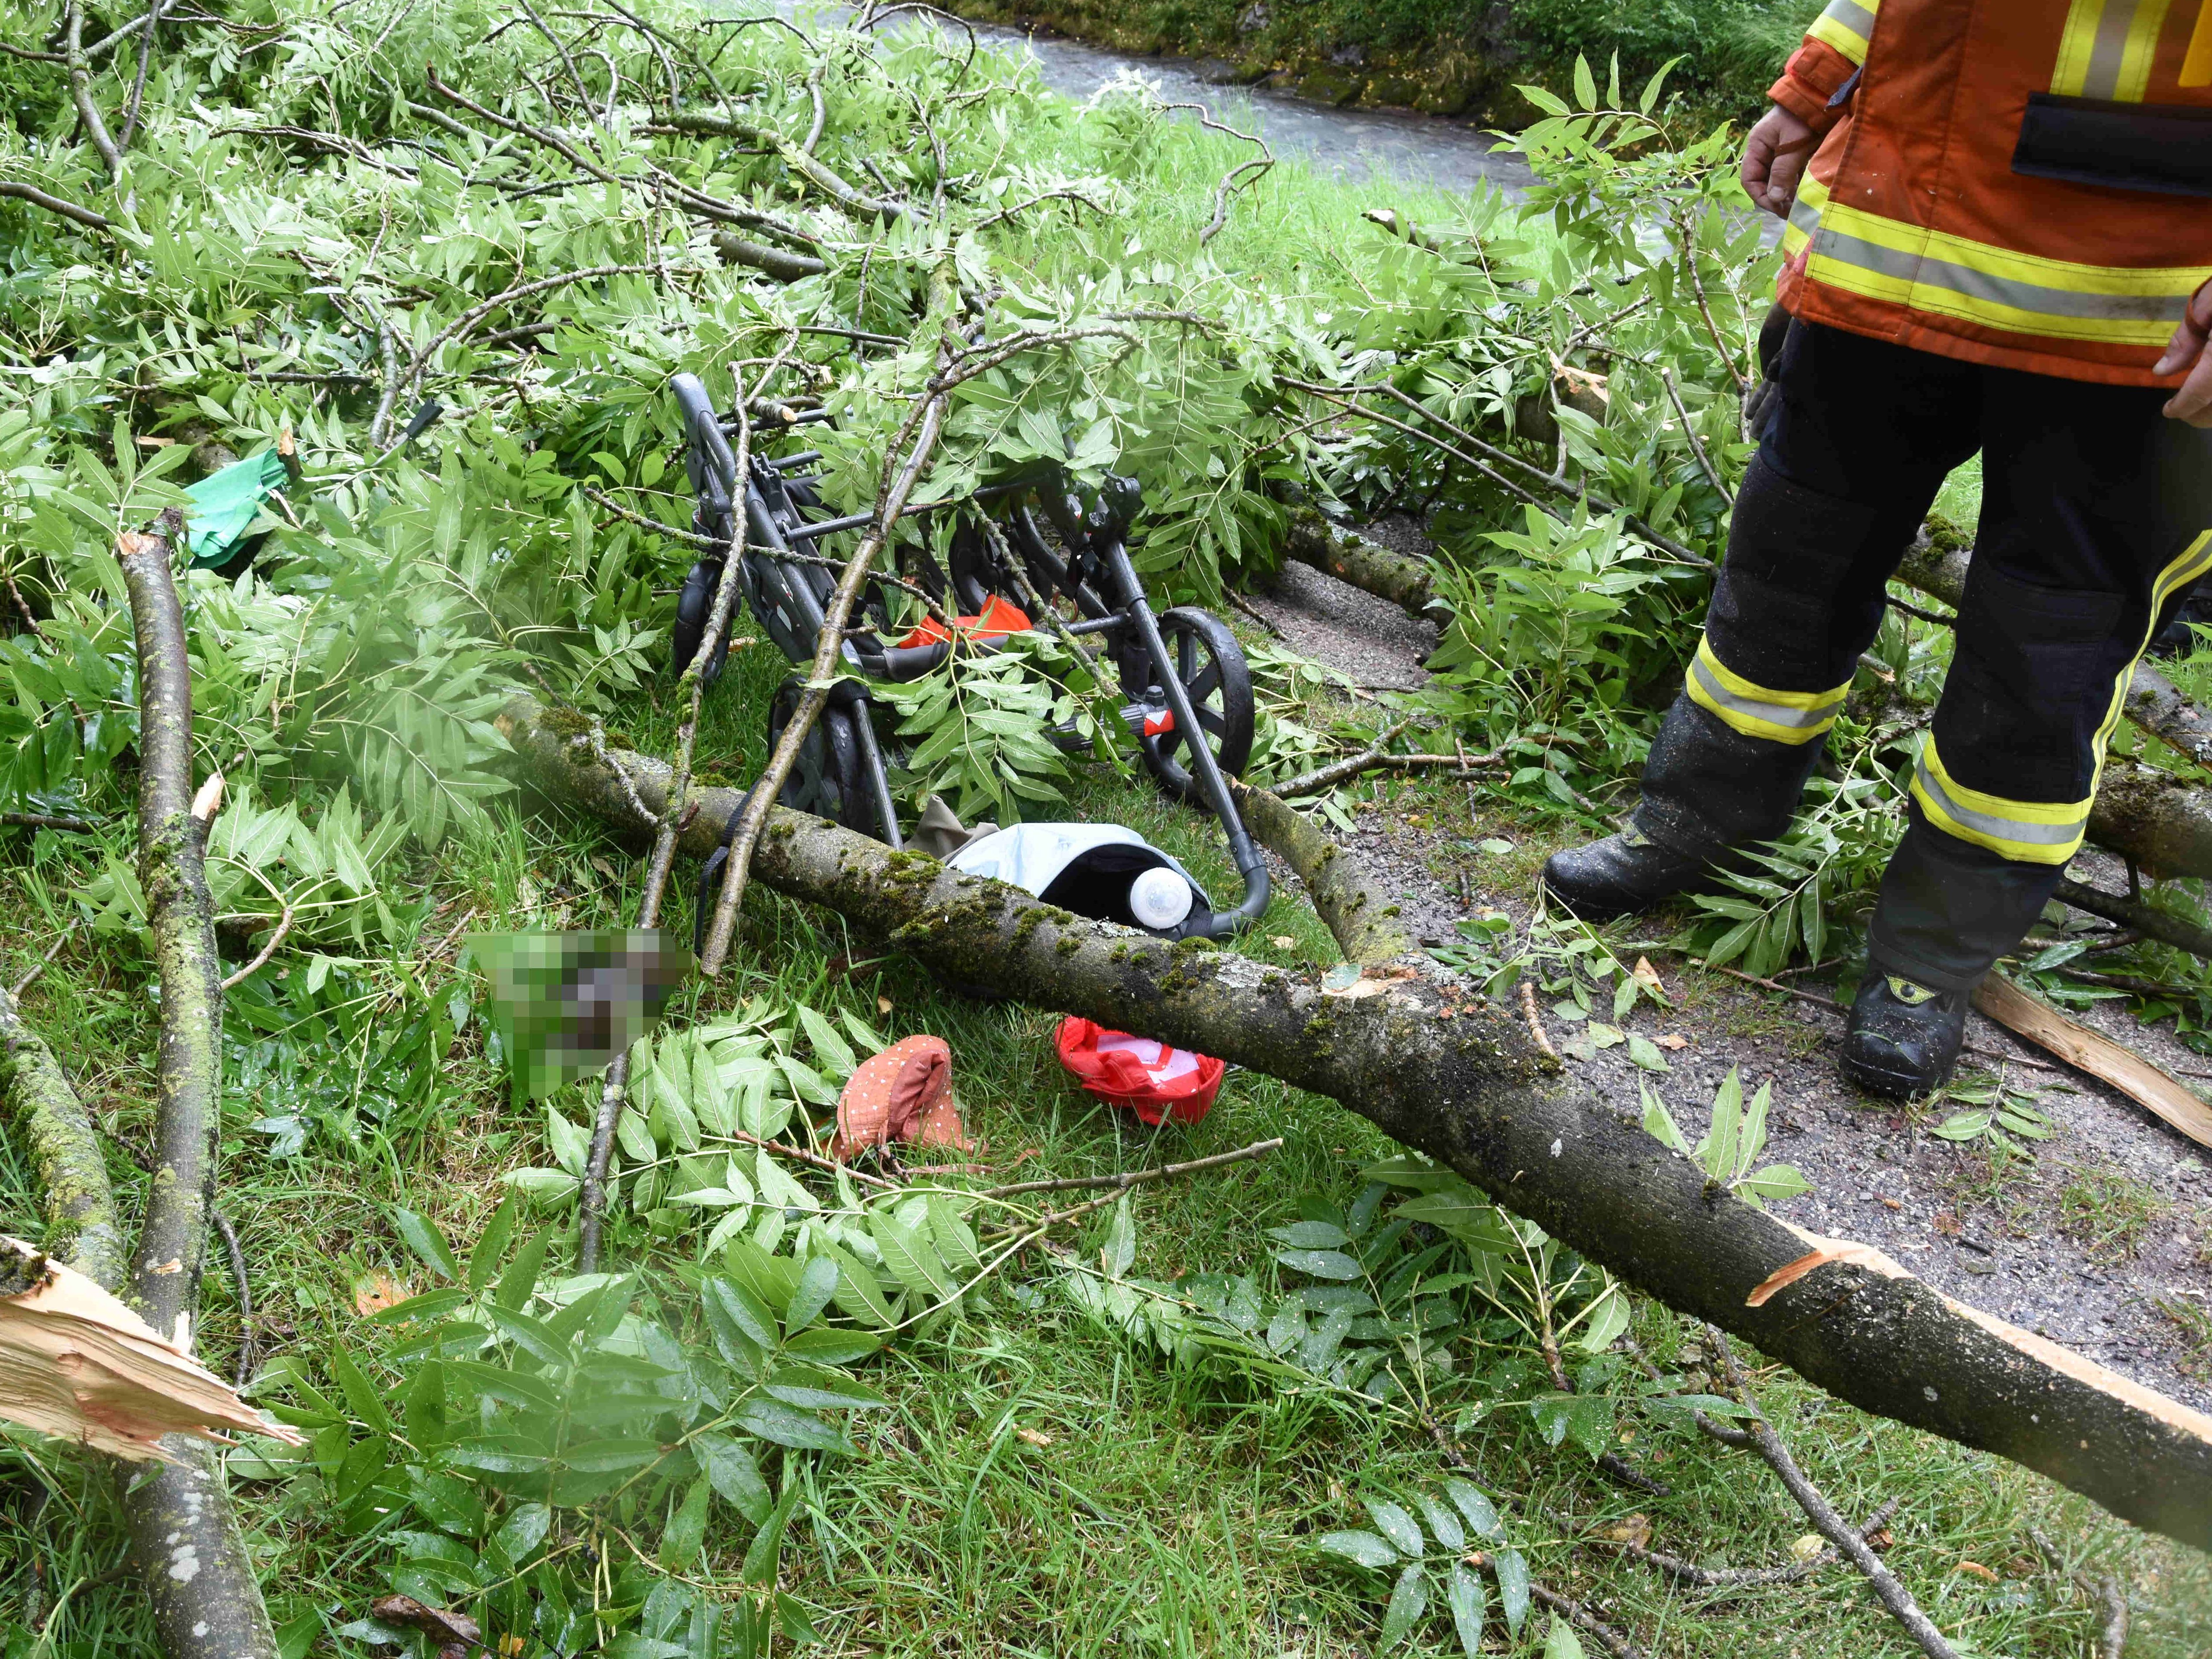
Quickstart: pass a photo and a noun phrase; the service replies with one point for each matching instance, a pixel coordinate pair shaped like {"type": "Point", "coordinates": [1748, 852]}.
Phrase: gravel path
{"type": "Point", "coordinates": [2102, 1238]}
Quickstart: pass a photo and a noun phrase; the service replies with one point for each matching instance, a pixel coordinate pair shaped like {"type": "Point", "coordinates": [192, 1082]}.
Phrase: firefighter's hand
{"type": "Point", "coordinates": [2193, 400]}
{"type": "Point", "coordinates": [1774, 158]}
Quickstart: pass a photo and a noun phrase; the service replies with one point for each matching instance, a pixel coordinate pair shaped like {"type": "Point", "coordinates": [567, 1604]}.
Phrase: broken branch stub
{"type": "Point", "coordinates": [1473, 1092]}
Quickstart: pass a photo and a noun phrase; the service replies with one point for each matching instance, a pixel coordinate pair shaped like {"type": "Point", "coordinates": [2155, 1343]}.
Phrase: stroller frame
{"type": "Point", "coordinates": [1190, 702]}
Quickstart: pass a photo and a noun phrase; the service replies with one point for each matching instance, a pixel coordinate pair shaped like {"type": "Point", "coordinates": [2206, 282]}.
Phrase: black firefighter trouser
{"type": "Point", "coordinates": [2095, 511]}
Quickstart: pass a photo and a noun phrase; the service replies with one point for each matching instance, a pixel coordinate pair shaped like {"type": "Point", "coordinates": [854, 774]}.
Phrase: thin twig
{"type": "Point", "coordinates": [138, 84]}
{"type": "Point", "coordinates": [1742, 1578]}
{"type": "Point", "coordinates": [275, 938]}
{"type": "Point", "coordinates": [247, 1347]}
{"type": "Point", "coordinates": [917, 438]}
{"type": "Point", "coordinates": [475, 314]}
{"type": "Point", "coordinates": [39, 967]}
{"type": "Point", "coordinates": [1561, 486]}
{"type": "Point", "coordinates": [1373, 759]}
{"type": "Point", "coordinates": [799, 1154]}
{"type": "Point", "coordinates": [1760, 1436]}
{"type": "Point", "coordinates": [50, 820]}
{"type": "Point", "coordinates": [1698, 288]}
{"type": "Point", "coordinates": [1576, 1613]}
{"type": "Point", "coordinates": [670, 824]}
{"type": "Point", "coordinates": [1697, 444]}
{"type": "Point", "coordinates": [1136, 1178]}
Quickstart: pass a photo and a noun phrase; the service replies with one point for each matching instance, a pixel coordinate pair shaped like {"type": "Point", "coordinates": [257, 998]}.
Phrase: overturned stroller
{"type": "Point", "coordinates": [1188, 705]}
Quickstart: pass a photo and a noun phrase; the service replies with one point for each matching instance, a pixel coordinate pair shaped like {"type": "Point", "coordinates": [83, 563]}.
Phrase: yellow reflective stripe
{"type": "Point", "coordinates": [1846, 25]}
{"type": "Point", "coordinates": [2194, 561]}
{"type": "Point", "coordinates": [2197, 67]}
{"type": "Point", "coordinates": [2046, 832]}
{"type": "Point", "coordinates": [2106, 49]}
{"type": "Point", "coordinates": [2026, 831]}
{"type": "Point", "coordinates": [1805, 214]}
{"type": "Point", "coordinates": [1946, 275]}
{"type": "Point", "coordinates": [1757, 711]}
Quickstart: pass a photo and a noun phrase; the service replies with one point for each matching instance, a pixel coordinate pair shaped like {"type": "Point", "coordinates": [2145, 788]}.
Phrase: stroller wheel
{"type": "Point", "coordinates": [694, 606]}
{"type": "Point", "coordinates": [828, 778]}
{"type": "Point", "coordinates": [1207, 659]}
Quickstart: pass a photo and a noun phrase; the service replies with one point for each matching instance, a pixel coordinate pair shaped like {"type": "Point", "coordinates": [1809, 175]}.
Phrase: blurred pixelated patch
{"type": "Point", "coordinates": [567, 1004]}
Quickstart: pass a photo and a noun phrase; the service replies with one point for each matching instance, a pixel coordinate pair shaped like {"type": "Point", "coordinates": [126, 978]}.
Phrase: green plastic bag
{"type": "Point", "coordinates": [225, 504]}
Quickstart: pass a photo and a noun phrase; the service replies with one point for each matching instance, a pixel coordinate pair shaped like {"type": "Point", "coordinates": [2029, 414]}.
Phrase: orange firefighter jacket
{"type": "Point", "coordinates": [2022, 183]}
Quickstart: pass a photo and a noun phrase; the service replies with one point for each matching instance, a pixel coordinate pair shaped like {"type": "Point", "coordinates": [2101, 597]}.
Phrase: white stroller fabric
{"type": "Point", "coordinates": [1031, 856]}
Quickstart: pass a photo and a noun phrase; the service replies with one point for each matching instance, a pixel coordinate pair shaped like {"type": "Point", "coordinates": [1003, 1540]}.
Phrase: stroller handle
{"type": "Point", "coordinates": [1251, 864]}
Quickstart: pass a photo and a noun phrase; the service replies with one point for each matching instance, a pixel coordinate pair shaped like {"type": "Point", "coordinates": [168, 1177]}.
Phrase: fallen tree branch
{"type": "Point", "coordinates": [1826, 1520]}
{"type": "Point", "coordinates": [1473, 1092]}
{"type": "Point", "coordinates": [1366, 564]}
{"type": "Point", "coordinates": [801, 162]}
{"type": "Point", "coordinates": [198, 1576]}
{"type": "Point", "coordinates": [81, 1225]}
{"type": "Point", "coordinates": [37, 197]}
{"type": "Point", "coordinates": [87, 112]}
{"type": "Point", "coordinates": [775, 262]}
{"type": "Point", "coordinates": [665, 829]}
{"type": "Point", "coordinates": [1362, 919]}
{"type": "Point", "coordinates": [917, 437]}
{"type": "Point", "coordinates": [2165, 928]}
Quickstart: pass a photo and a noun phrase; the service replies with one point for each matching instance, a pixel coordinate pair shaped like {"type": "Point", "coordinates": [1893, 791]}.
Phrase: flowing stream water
{"type": "Point", "coordinates": [1355, 144]}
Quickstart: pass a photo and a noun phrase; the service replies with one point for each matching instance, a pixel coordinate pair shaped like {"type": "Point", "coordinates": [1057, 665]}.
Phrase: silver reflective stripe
{"type": "Point", "coordinates": [2034, 834]}
{"type": "Point", "coordinates": [2107, 58]}
{"type": "Point", "coordinates": [1803, 215]}
{"type": "Point", "coordinates": [1924, 270]}
{"type": "Point", "coordinates": [1858, 19]}
{"type": "Point", "coordinates": [1774, 713]}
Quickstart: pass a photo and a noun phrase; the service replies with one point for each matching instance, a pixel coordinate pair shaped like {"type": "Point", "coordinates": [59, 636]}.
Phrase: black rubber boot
{"type": "Point", "coordinates": [1708, 789]}
{"type": "Point", "coordinates": [1621, 875]}
{"type": "Point", "coordinates": [1948, 909]}
{"type": "Point", "coordinates": [1903, 1038]}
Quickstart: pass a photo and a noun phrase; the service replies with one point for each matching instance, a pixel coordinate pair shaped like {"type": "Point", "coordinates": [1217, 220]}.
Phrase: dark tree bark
{"type": "Point", "coordinates": [196, 1573]}
{"type": "Point", "coordinates": [1474, 1092]}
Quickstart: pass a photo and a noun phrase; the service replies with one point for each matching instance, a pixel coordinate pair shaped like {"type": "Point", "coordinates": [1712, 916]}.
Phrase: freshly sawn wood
{"type": "Point", "coordinates": [1474, 1092]}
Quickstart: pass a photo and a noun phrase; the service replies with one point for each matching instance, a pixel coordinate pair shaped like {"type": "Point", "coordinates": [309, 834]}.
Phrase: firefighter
{"type": "Point", "coordinates": [1998, 239]}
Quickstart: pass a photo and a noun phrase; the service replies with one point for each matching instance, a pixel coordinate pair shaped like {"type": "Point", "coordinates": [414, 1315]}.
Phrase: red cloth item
{"type": "Point", "coordinates": [996, 620]}
{"type": "Point", "coordinates": [1147, 1078]}
{"type": "Point", "coordinates": [905, 1093]}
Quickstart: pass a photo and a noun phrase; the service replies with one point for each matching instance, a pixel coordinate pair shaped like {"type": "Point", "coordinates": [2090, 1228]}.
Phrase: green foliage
{"type": "Point", "coordinates": [507, 1419]}
{"type": "Point", "coordinates": [1733, 1139]}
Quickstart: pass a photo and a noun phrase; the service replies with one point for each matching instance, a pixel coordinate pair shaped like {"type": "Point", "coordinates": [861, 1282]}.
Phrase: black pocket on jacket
{"type": "Point", "coordinates": [2165, 149]}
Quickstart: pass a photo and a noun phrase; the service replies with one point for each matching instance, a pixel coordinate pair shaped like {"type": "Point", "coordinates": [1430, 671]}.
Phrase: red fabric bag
{"type": "Point", "coordinates": [1149, 1079]}
{"type": "Point", "coordinates": [995, 621]}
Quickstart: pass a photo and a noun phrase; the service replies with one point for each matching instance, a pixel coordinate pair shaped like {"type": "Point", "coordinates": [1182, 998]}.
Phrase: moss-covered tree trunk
{"type": "Point", "coordinates": [1471, 1089]}
{"type": "Point", "coordinates": [195, 1568]}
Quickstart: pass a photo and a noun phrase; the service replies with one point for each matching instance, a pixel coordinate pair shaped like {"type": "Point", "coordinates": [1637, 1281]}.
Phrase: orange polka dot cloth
{"type": "Point", "coordinates": [905, 1093]}
{"type": "Point", "coordinates": [1149, 1079]}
